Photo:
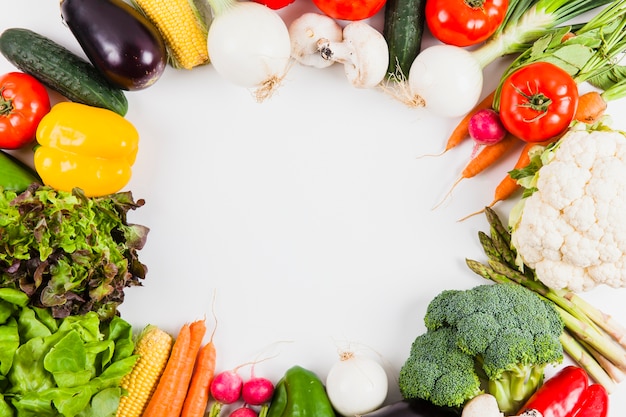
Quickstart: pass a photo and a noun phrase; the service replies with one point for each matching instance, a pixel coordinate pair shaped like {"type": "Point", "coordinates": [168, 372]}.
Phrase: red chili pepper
{"type": "Point", "coordinates": [560, 395]}
{"type": "Point", "coordinates": [595, 402]}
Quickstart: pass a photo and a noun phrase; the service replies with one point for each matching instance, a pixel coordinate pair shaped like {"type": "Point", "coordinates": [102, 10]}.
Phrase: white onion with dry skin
{"type": "Point", "coordinates": [446, 79]}
{"type": "Point", "coordinates": [356, 385]}
{"type": "Point", "coordinates": [249, 45]}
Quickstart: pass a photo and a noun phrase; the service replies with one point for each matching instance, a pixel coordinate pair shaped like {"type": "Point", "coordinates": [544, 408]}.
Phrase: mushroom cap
{"type": "Point", "coordinates": [305, 31]}
{"type": "Point", "coordinates": [369, 58]}
{"type": "Point", "coordinates": [483, 405]}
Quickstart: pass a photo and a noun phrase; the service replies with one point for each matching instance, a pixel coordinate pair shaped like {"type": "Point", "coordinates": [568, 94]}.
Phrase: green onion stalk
{"type": "Point", "coordinates": [528, 20]}
{"type": "Point", "coordinates": [591, 52]}
{"type": "Point", "coordinates": [591, 338]}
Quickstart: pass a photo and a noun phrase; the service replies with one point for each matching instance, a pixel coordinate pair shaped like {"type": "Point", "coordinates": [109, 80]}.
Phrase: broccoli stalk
{"type": "Point", "coordinates": [591, 338]}
{"type": "Point", "coordinates": [491, 338]}
{"type": "Point", "coordinates": [515, 386]}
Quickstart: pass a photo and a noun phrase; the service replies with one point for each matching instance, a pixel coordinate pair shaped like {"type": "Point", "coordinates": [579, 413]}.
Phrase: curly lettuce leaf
{"type": "Point", "coordinates": [70, 253]}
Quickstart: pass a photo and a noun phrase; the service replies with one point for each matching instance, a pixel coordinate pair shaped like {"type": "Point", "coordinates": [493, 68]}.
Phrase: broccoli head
{"type": "Point", "coordinates": [495, 338]}
{"type": "Point", "coordinates": [439, 371]}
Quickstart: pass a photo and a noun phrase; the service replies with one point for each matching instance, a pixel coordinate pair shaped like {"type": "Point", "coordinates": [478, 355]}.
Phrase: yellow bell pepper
{"type": "Point", "coordinates": [86, 147]}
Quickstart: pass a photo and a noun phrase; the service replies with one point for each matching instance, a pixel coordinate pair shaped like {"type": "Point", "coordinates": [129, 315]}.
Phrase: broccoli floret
{"type": "Point", "coordinates": [495, 338]}
{"type": "Point", "coordinates": [426, 375]}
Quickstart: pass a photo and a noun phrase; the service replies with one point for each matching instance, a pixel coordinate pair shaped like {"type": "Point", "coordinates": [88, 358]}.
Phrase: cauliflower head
{"type": "Point", "coordinates": [572, 229]}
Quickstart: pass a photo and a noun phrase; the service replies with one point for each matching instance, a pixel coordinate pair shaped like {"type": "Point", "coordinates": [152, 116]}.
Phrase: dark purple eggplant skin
{"type": "Point", "coordinates": [118, 40]}
{"type": "Point", "coordinates": [417, 408]}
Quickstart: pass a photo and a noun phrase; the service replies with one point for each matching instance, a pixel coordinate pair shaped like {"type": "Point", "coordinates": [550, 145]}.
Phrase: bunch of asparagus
{"type": "Point", "coordinates": [593, 339]}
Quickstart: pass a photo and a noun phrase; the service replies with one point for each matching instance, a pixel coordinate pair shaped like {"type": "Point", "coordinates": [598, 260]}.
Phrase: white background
{"type": "Point", "coordinates": [304, 222]}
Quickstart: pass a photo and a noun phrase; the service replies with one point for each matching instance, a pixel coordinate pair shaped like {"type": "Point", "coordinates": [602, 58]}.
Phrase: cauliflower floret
{"type": "Point", "coordinates": [572, 229]}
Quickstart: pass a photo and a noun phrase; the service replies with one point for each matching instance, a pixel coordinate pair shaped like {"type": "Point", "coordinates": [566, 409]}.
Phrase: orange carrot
{"type": "Point", "coordinates": [198, 394]}
{"type": "Point", "coordinates": [488, 156]}
{"type": "Point", "coordinates": [483, 160]}
{"type": "Point", "coordinates": [461, 131]}
{"type": "Point", "coordinates": [508, 185]}
{"type": "Point", "coordinates": [165, 392]}
{"type": "Point", "coordinates": [591, 106]}
{"type": "Point", "coordinates": [169, 396]}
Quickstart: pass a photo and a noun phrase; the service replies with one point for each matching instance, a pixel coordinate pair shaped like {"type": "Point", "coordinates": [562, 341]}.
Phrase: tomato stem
{"type": "Point", "coordinates": [6, 104]}
{"type": "Point", "coordinates": [475, 4]}
{"type": "Point", "coordinates": [538, 102]}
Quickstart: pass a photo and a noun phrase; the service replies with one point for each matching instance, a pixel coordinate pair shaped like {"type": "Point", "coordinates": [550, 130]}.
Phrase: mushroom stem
{"type": "Point", "coordinates": [341, 52]}
{"type": "Point", "coordinates": [305, 31]}
{"type": "Point", "coordinates": [363, 51]}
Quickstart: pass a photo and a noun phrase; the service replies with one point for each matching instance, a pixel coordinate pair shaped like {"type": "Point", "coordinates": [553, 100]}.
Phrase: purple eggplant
{"type": "Point", "coordinates": [118, 40]}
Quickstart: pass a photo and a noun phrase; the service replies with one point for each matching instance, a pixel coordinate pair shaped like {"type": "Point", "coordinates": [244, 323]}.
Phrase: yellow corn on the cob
{"type": "Point", "coordinates": [153, 347]}
{"type": "Point", "coordinates": [183, 28]}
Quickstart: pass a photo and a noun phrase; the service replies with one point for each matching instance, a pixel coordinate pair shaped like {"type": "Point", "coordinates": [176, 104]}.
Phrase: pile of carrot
{"type": "Point", "coordinates": [183, 390]}
{"type": "Point", "coordinates": [591, 107]}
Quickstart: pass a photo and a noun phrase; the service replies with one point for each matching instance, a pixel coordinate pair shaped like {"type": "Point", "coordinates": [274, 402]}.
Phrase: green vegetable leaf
{"type": "Point", "coordinates": [113, 374]}
{"type": "Point", "coordinates": [5, 408]}
{"type": "Point", "coordinates": [30, 326]}
{"type": "Point", "coordinates": [28, 373]}
{"type": "Point", "coordinates": [9, 342]}
{"type": "Point", "coordinates": [121, 332]}
{"type": "Point", "coordinates": [71, 401]}
{"type": "Point", "coordinates": [67, 401]}
{"type": "Point", "coordinates": [88, 326]}
{"type": "Point", "coordinates": [103, 404]}
{"type": "Point", "coordinates": [69, 367]}
{"type": "Point", "coordinates": [67, 362]}
{"type": "Point", "coordinates": [6, 311]}
{"type": "Point", "coordinates": [33, 405]}
{"type": "Point", "coordinates": [45, 317]}
{"type": "Point", "coordinates": [14, 296]}
{"type": "Point", "coordinates": [572, 57]}
{"type": "Point", "coordinates": [609, 78]}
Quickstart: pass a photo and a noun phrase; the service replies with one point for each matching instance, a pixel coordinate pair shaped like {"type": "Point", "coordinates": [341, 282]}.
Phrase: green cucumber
{"type": "Point", "coordinates": [14, 174]}
{"type": "Point", "coordinates": [60, 69]}
{"type": "Point", "coordinates": [403, 30]}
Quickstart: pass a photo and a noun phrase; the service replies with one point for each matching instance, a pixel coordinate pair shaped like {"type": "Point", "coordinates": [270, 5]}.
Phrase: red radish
{"type": "Point", "coordinates": [257, 391]}
{"type": "Point", "coordinates": [244, 412]}
{"type": "Point", "coordinates": [485, 128]}
{"type": "Point", "coordinates": [225, 389]}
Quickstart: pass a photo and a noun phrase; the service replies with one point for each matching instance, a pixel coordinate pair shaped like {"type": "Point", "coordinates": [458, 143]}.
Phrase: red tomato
{"type": "Point", "coordinates": [23, 102]}
{"type": "Point", "coordinates": [464, 22]}
{"type": "Point", "coordinates": [538, 101]}
{"type": "Point", "coordinates": [275, 4]}
{"type": "Point", "coordinates": [349, 9]}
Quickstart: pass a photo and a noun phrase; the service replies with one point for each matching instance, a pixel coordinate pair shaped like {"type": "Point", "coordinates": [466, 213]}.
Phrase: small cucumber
{"type": "Point", "coordinates": [403, 30]}
{"type": "Point", "coordinates": [14, 174]}
{"type": "Point", "coordinates": [60, 69]}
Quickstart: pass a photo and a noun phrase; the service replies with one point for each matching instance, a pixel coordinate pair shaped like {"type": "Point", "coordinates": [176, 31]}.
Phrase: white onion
{"type": "Point", "coordinates": [447, 78]}
{"type": "Point", "coordinates": [249, 45]}
{"type": "Point", "coordinates": [356, 385]}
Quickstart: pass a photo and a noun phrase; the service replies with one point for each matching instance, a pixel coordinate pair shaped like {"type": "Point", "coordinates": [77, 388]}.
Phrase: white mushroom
{"type": "Point", "coordinates": [483, 405]}
{"type": "Point", "coordinates": [363, 52]}
{"type": "Point", "coordinates": [305, 31]}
